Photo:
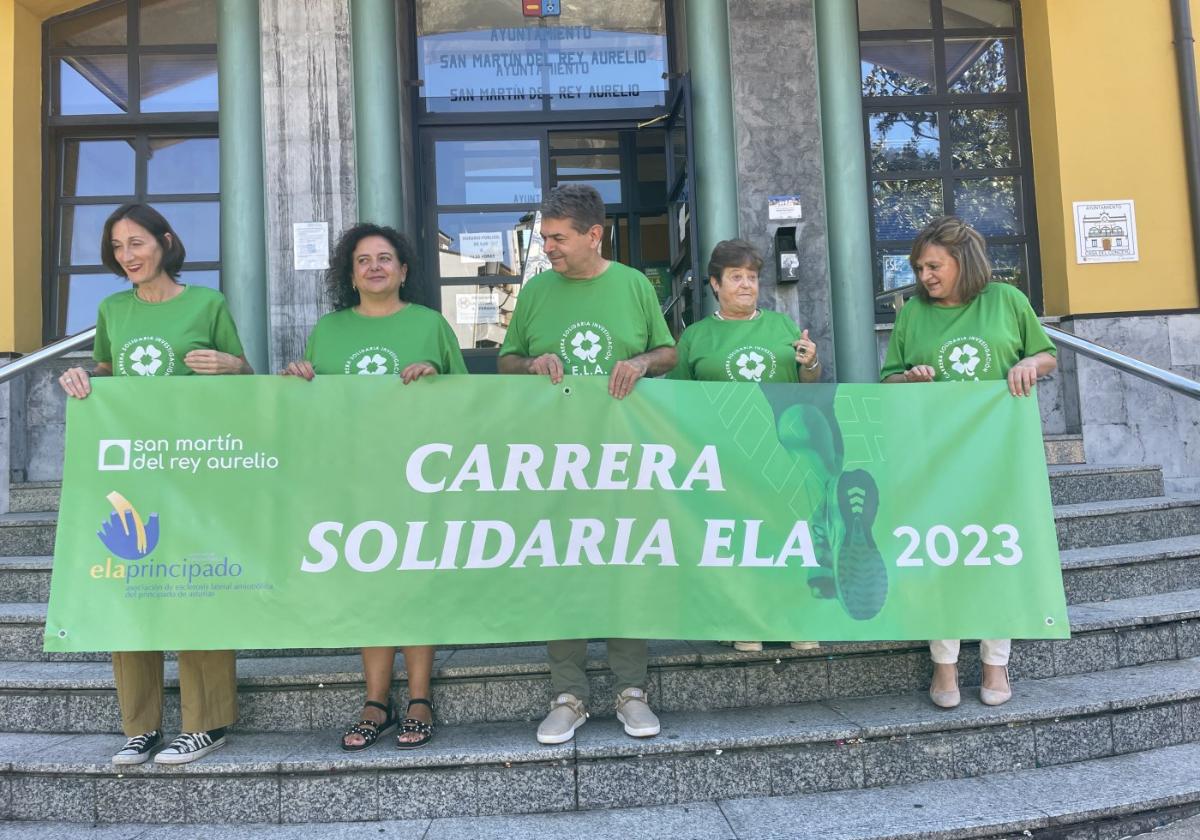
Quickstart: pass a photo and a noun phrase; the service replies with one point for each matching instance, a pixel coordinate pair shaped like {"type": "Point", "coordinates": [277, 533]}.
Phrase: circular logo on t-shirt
{"type": "Point", "coordinates": [148, 355]}
{"type": "Point", "coordinates": [373, 361]}
{"type": "Point", "coordinates": [585, 346]}
{"type": "Point", "coordinates": [750, 364]}
{"type": "Point", "coordinates": [964, 359]}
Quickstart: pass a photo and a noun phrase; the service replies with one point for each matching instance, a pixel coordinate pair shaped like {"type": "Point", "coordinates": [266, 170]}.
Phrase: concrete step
{"type": "Point", "coordinates": [1079, 525]}
{"type": "Point", "coordinates": [34, 496]}
{"type": "Point", "coordinates": [493, 684]}
{"type": "Point", "coordinates": [1091, 524]}
{"type": "Point", "coordinates": [1077, 483]}
{"type": "Point", "coordinates": [27, 534]}
{"type": "Point", "coordinates": [1064, 449]}
{"type": "Point", "coordinates": [25, 579]}
{"type": "Point", "coordinates": [1127, 570]}
{"type": "Point", "coordinates": [497, 768]}
{"type": "Point", "coordinates": [1091, 800]}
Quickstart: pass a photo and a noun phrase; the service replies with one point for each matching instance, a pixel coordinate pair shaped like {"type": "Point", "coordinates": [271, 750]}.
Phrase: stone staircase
{"type": "Point", "coordinates": [841, 741]}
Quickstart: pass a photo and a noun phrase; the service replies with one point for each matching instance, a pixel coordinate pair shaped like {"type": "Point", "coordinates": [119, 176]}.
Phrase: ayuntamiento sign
{"type": "Point", "coordinates": [264, 512]}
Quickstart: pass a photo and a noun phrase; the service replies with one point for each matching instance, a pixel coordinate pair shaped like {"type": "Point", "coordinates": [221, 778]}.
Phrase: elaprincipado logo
{"type": "Point", "coordinates": [124, 533]}
{"type": "Point", "coordinates": [965, 358]}
{"type": "Point", "coordinates": [583, 345]}
{"type": "Point", "coordinates": [750, 364]}
{"type": "Point", "coordinates": [148, 355]}
{"type": "Point", "coordinates": [373, 361]}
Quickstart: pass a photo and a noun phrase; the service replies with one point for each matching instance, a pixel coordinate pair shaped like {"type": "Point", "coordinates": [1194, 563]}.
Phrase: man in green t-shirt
{"type": "Point", "coordinates": [588, 316]}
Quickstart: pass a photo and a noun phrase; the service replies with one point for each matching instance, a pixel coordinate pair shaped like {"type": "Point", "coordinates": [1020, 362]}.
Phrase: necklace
{"type": "Point", "coordinates": [721, 317]}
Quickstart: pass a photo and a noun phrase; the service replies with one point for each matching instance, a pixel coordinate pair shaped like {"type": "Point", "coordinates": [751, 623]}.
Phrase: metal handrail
{"type": "Point", "coordinates": [45, 354]}
{"type": "Point", "coordinates": [684, 287]}
{"type": "Point", "coordinates": [1125, 364]}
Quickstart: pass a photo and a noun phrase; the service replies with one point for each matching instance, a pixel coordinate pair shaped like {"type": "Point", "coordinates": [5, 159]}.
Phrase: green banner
{"type": "Point", "coordinates": [269, 512]}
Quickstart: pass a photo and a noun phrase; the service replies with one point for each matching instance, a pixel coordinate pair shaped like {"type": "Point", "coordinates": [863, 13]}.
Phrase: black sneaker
{"type": "Point", "coordinates": [189, 746]}
{"type": "Point", "coordinates": [138, 748]}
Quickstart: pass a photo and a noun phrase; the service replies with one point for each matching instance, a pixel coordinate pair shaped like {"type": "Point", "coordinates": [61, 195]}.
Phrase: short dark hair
{"type": "Point", "coordinates": [733, 253]}
{"type": "Point", "coordinates": [160, 229]}
{"type": "Point", "coordinates": [968, 248]}
{"type": "Point", "coordinates": [581, 204]}
{"type": "Point", "coordinates": [339, 280]}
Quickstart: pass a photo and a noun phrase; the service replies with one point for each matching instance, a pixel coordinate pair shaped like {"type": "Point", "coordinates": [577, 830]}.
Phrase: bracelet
{"type": "Point", "coordinates": [816, 364]}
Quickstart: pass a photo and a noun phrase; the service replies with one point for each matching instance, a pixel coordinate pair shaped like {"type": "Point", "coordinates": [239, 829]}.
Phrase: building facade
{"type": "Point", "coordinates": [697, 120]}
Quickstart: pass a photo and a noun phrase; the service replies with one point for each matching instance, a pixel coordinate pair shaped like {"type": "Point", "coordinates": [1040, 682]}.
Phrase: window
{"type": "Point", "coordinates": [945, 119]}
{"type": "Point", "coordinates": [131, 116]}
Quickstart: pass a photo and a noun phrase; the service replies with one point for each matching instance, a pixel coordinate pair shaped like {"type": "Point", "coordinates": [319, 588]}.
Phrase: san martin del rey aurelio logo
{"type": "Point", "coordinates": [125, 533]}
{"type": "Point", "coordinates": [586, 349]}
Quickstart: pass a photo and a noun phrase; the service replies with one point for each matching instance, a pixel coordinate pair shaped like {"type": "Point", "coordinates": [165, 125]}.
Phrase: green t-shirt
{"type": "Point", "coordinates": [590, 324]}
{"type": "Point", "coordinates": [757, 350]}
{"type": "Point", "coordinates": [150, 339]}
{"type": "Point", "coordinates": [976, 342]}
{"type": "Point", "coordinates": [346, 342]}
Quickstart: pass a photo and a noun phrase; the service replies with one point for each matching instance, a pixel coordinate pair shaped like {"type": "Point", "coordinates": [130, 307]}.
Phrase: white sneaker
{"type": "Point", "coordinates": [635, 713]}
{"type": "Point", "coordinates": [805, 645]}
{"type": "Point", "coordinates": [137, 749]}
{"type": "Point", "coordinates": [749, 647]}
{"type": "Point", "coordinates": [189, 746]}
{"type": "Point", "coordinates": [567, 713]}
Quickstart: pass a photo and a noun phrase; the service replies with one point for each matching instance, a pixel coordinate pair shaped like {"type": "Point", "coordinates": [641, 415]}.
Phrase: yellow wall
{"type": "Point", "coordinates": [1105, 118]}
{"type": "Point", "coordinates": [20, 179]}
{"type": "Point", "coordinates": [21, 169]}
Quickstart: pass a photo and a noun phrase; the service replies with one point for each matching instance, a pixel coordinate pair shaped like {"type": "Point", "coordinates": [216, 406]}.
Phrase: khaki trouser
{"type": "Point", "coordinates": [626, 657]}
{"type": "Point", "coordinates": [991, 651]}
{"type": "Point", "coordinates": [207, 689]}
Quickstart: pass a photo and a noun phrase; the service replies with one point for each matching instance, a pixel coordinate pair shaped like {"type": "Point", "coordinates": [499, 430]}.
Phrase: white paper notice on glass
{"type": "Point", "coordinates": [486, 247]}
{"type": "Point", "coordinates": [310, 246]}
{"type": "Point", "coordinates": [784, 208]}
{"type": "Point", "coordinates": [478, 308]}
{"type": "Point", "coordinates": [1105, 231]}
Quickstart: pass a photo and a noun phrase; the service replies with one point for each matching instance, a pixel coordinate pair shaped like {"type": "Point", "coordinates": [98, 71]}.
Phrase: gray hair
{"type": "Point", "coordinates": [580, 204]}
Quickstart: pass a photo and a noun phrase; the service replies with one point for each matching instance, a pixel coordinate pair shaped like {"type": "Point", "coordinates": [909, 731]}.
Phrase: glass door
{"type": "Point", "coordinates": [482, 190]}
{"type": "Point", "coordinates": [687, 283]}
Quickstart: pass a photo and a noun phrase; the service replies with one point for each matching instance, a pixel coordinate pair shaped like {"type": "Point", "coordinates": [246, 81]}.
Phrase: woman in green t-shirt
{"type": "Point", "coordinates": [160, 327]}
{"type": "Point", "coordinates": [375, 330]}
{"type": "Point", "coordinates": [742, 343]}
{"type": "Point", "coordinates": [961, 327]}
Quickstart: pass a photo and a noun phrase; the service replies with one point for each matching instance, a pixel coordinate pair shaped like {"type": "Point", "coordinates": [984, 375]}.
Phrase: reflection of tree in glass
{"type": "Point", "coordinates": [981, 139]}
{"type": "Point", "coordinates": [902, 208]}
{"type": "Point", "coordinates": [903, 140]}
{"type": "Point", "coordinates": [982, 66]}
{"type": "Point", "coordinates": [880, 80]}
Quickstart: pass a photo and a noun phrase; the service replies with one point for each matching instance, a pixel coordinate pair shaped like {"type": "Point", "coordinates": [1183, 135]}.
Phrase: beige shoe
{"type": "Point", "coordinates": [567, 713]}
{"type": "Point", "coordinates": [948, 698]}
{"type": "Point", "coordinates": [748, 647]}
{"type": "Point", "coordinates": [635, 713]}
{"type": "Point", "coordinates": [805, 645]}
{"type": "Point", "coordinates": [994, 696]}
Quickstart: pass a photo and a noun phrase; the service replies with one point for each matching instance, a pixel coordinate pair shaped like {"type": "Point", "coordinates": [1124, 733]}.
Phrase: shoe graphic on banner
{"type": "Point", "coordinates": [859, 570]}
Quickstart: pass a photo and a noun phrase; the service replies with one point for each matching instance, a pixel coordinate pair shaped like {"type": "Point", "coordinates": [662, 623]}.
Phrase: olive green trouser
{"type": "Point", "coordinates": [207, 689]}
{"type": "Point", "coordinates": [626, 657]}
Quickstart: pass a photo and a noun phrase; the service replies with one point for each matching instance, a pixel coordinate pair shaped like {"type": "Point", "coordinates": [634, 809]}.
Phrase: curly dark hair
{"type": "Point", "coordinates": [339, 280]}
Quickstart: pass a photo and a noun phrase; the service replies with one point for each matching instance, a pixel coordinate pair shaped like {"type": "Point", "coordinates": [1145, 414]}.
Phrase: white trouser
{"type": "Point", "coordinates": [991, 651]}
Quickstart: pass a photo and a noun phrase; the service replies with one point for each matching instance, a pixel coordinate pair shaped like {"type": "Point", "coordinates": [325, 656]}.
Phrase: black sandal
{"type": "Point", "coordinates": [369, 729]}
{"type": "Point", "coordinates": [413, 725]}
